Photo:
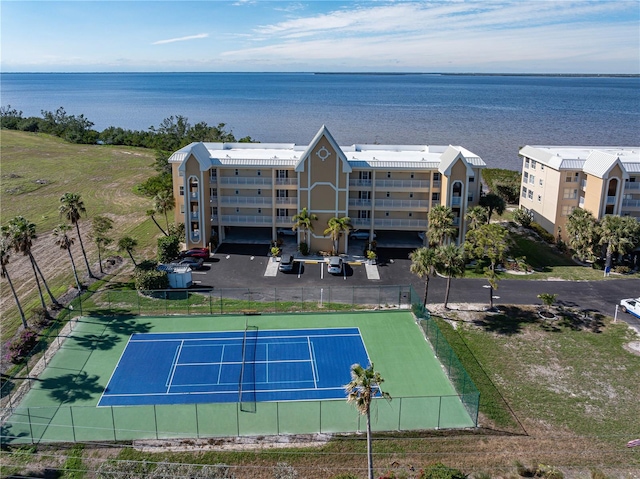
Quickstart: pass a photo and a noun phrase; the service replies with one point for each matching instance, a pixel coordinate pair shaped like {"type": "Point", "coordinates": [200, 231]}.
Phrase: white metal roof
{"type": "Point", "coordinates": [575, 157]}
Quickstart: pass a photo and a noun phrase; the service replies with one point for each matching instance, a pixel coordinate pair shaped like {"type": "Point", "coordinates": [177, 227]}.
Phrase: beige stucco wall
{"type": "Point", "coordinates": [594, 195]}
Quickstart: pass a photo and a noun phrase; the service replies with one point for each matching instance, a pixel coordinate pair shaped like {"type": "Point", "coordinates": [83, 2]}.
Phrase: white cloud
{"type": "Point", "coordinates": [181, 39]}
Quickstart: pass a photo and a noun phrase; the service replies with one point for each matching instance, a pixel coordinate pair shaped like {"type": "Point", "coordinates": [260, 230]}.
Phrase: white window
{"type": "Point", "coordinates": [533, 164]}
{"type": "Point", "coordinates": [436, 177]}
{"type": "Point", "coordinates": [530, 194]}
{"type": "Point", "coordinates": [283, 174]}
{"type": "Point", "coordinates": [470, 198]}
{"type": "Point", "coordinates": [182, 191]}
{"type": "Point", "coordinates": [532, 179]}
{"type": "Point", "coordinates": [567, 210]}
{"type": "Point", "coordinates": [213, 192]}
{"type": "Point", "coordinates": [526, 162]}
{"type": "Point", "coordinates": [365, 175]}
{"type": "Point", "coordinates": [435, 196]}
{"type": "Point", "coordinates": [570, 194]}
{"type": "Point", "coordinates": [526, 177]}
{"type": "Point", "coordinates": [524, 192]}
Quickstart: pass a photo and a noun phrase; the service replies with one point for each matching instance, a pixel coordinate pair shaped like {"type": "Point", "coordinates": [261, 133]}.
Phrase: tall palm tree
{"type": "Point", "coordinates": [164, 202]}
{"type": "Point", "coordinates": [620, 234]}
{"type": "Point", "coordinates": [335, 227]}
{"type": "Point", "coordinates": [72, 208]}
{"type": "Point", "coordinates": [5, 255]}
{"type": "Point", "coordinates": [423, 262]}
{"type": "Point", "coordinates": [582, 233]}
{"type": "Point", "coordinates": [450, 263]}
{"type": "Point", "coordinates": [128, 244]}
{"type": "Point", "coordinates": [440, 225]}
{"type": "Point", "coordinates": [101, 226]}
{"type": "Point", "coordinates": [363, 387]}
{"type": "Point", "coordinates": [61, 233]}
{"type": "Point", "coordinates": [303, 222]}
{"type": "Point", "coordinates": [476, 216]}
{"type": "Point", "coordinates": [21, 234]}
{"type": "Point", "coordinates": [151, 214]}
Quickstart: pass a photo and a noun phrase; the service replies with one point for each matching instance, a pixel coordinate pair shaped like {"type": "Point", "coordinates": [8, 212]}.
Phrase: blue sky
{"type": "Point", "coordinates": [532, 36]}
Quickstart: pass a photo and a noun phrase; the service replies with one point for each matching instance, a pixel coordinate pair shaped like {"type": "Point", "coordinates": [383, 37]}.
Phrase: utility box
{"type": "Point", "coordinates": [179, 275]}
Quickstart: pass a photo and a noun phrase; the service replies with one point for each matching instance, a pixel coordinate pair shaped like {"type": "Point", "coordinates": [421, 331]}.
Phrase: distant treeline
{"type": "Point", "coordinates": [171, 135]}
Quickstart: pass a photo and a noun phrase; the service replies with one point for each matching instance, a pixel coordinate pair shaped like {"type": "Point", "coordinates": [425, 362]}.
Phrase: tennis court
{"type": "Point", "coordinates": [139, 377]}
{"type": "Point", "coordinates": [235, 366]}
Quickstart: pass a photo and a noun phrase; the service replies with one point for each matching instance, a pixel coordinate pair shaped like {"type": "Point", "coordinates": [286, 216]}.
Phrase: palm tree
{"type": "Point", "coordinates": [582, 233]}
{"type": "Point", "coordinates": [101, 225]}
{"type": "Point", "coordinates": [128, 244]}
{"type": "Point", "coordinates": [476, 217]}
{"type": "Point", "coordinates": [72, 208]}
{"type": "Point", "coordinates": [620, 234]}
{"type": "Point", "coordinates": [164, 202]}
{"type": "Point", "coordinates": [5, 255]}
{"type": "Point", "coordinates": [450, 263]}
{"type": "Point", "coordinates": [65, 242]}
{"type": "Point", "coordinates": [363, 387]}
{"type": "Point", "coordinates": [493, 203]}
{"type": "Point", "coordinates": [151, 214]}
{"type": "Point", "coordinates": [440, 225]}
{"type": "Point", "coordinates": [335, 227]}
{"type": "Point", "coordinates": [21, 234]}
{"type": "Point", "coordinates": [423, 262]}
{"type": "Point", "coordinates": [303, 222]}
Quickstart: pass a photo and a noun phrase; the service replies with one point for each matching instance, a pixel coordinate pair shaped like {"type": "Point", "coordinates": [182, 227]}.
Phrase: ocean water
{"type": "Point", "coordinates": [493, 116]}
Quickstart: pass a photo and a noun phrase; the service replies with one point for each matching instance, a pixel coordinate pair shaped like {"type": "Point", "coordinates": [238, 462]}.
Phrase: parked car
{"type": "Point", "coordinates": [286, 231]}
{"type": "Point", "coordinates": [192, 262]}
{"type": "Point", "coordinates": [360, 234]}
{"type": "Point", "coordinates": [631, 306]}
{"type": "Point", "coordinates": [286, 264]}
{"type": "Point", "coordinates": [195, 253]}
{"type": "Point", "coordinates": [335, 265]}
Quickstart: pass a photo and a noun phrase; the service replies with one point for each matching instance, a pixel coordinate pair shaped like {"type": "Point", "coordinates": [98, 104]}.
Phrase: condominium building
{"type": "Point", "coordinates": [558, 179]}
{"type": "Point", "coordinates": [219, 187]}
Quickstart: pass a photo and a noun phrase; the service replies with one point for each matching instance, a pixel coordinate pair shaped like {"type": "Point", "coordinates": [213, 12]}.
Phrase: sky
{"type": "Point", "coordinates": [491, 36]}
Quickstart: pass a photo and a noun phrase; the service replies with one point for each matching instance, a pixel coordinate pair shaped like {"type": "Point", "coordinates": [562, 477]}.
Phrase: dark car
{"type": "Point", "coordinates": [286, 264]}
{"type": "Point", "coordinates": [192, 262]}
{"type": "Point", "coordinates": [196, 253]}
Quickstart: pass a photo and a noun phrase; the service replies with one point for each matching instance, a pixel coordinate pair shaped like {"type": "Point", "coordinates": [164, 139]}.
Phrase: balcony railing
{"type": "Point", "coordinates": [362, 183]}
{"type": "Point", "coordinates": [611, 200]}
{"type": "Point", "coordinates": [245, 200]}
{"type": "Point", "coordinates": [284, 221]}
{"type": "Point", "coordinates": [359, 202]}
{"type": "Point", "coordinates": [404, 184]}
{"type": "Point", "coordinates": [436, 184]}
{"type": "Point", "coordinates": [193, 194]}
{"type": "Point", "coordinates": [635, 185]}
{"type": "Point", "coordinates": [240, 180]}
{"type": "Point", "coordinates": [246, 220]}
{"type": "Point", "coordinates": [361, 222]}
{"type": "Point", "coordinates": [412, 204]}
{"type": "Point", "coordinates": [398, 223]}
{"type": "Point", "coordinates": [631, 203]}
{"type": "Point", "coordinates": [287, 200]}
{"type": "Point", "coordinates": [214, 218]}
{"type": "Point", "coordinates": [286, 181]}
{"type": "Point", "coordinates": [194, 215]}
{"type": "Point", "coordinates": [456, 221]}
{"type": "Point", "coordinates": [456, 200]}
{"type": "Point", "coordinates": [213, 200]}
{"type": "Point", "coordinates": [581, 202]}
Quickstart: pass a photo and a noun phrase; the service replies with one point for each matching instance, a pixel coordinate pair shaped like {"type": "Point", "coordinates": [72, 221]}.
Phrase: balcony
{"type": "Point", "coordinates": [402, 184]}
{"type": "Point", "coordinates": [245, 181]}
{"type": "Point", "coordinates": [213, 177]}
{"type": "Point", "coordinates": [581, 202]}
{"type": "Point", "coordinates": [284, 221]}
{"type": "Point", "coordinates": [456, 221]}
{"type": "Point", "coordinates": [436, 184]}
{"type": "Point", "coordinates": [194, 215]}
{"type": "Point", "coordinates": [611, 200]}
{"type": "Point", "coordinates": [287, 201]}
{"type": "Point", "coordinates": [236, 220]}
{"type": "Point", "coordinates": [360, 183]}
{"type": "Point", "coordinates": [213, 200]}
{"type": "Point", "coordinates": [361, 222]}
{"type": "Point", "coordinates": [403, 204]}
{"type": "Point", "coordinates": [214, 218]}
{"type": "Point", "coordinates": [245, 201]}
{"type": "Point", "coordinates": [398, 223]}
{"type": "Point", "coordinates": [286, 181]}
{"type": "Point", "coordinates": [633, 204]}
{"type": "Point", "coordinates": [635, 185]}
{"type": "Point", "coordinates": [456, 200]}
{"type": "Point", "coordinates": [193, 194]}
{"type": "Point", "coordinates": [360, 202]}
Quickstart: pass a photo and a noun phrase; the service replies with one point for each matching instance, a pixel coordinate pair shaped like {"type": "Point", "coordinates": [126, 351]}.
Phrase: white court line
{"type": "Point", "coordinates": [176, 358]}
{"type": "Point", "coordinates": [221, 358]}
{"type": "Point", "coordinates": [313, 369]}
{"type": "Point", "coordinates": [266, 357]}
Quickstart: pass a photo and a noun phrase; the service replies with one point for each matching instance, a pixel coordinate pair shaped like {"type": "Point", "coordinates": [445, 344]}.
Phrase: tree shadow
{"type": "Point", "coordinates": [7, 437]}
{"type": "Point", "coordinates": [102, 342]}
{"type": "Point", "coordinates": [45, 473]}
{"type": "Point", "coordinates": [582, 320]}
{"type": "Point", "coordinates": [508, 322]}
{"type": "Point", "coordinates": [120, 323]}
{"type": "Point", "coordinates": [70, 388]}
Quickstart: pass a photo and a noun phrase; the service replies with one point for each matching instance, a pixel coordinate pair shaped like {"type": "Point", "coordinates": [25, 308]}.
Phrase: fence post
{"type": "Point", "coordinates": [113, 423]}
{"type": "Point", "coordinates": [320, 414]}
{"type": "Point", "coordinates": [155, 420]}
{"type": "Point", "coordinates": [197, 423]}
{"type": "Point", "coordinates": [210, 304]}
{"type": "Point", "coordinates": [278, 418]}
{"type": "Point", "coordinates": [221, 302]}
{"type": "Point", "coordinates": [238, 417]}
{"type": "Point", "coordinates": [138, 296]}
{"type": "Point", "coordinates": [400, 415]}
{"type": "Point", "coordinates": [439, 411]}
{"type": "Point", "coordinates": [73, 428]}
{"type": "Point", "coordinates": [275, 300]}
{"type": "Point", "coordinates": [302, 299]}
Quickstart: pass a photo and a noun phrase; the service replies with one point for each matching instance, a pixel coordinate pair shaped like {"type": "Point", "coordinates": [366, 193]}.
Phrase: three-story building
{"type": "Point", "coordinates": [219, 186]}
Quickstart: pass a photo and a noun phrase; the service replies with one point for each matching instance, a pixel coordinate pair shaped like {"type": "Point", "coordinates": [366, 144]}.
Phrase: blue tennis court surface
{"type": "Point", "coordinates": [234, 366]}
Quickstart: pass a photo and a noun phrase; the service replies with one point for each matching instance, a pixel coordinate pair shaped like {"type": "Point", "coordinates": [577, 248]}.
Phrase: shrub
{"type": "Point", "coordinates": [149, 280]}
{"type": "Point", "coordinates": [168, 248]}
{"type": "Point", "coordinates": [20, 347]}
{"type": "Point", "coordinates": [284, 470]}
{"type": "Point", "coordinates": [40, 317]}
{"type": "Point", "coordinates": [544, 234]}
{"type": "Point", "coordinates": [523, 217]}
{"type": "Point", "coordinates": [304, 249]}
{"type": "Point", "coordinates": [440, 471]}
{"type": "Point", "coordinates": [621, 269]}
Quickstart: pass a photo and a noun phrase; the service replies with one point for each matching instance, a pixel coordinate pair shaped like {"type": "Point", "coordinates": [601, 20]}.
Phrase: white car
{"type": "Point", "coordinates": [360, 234]}
{"type": "Point", "coordinates": [286, 231]}
{"type": "Point", "coordinates": [631, 306]}
{"type": "Point", "coordinates": [335, 265]}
